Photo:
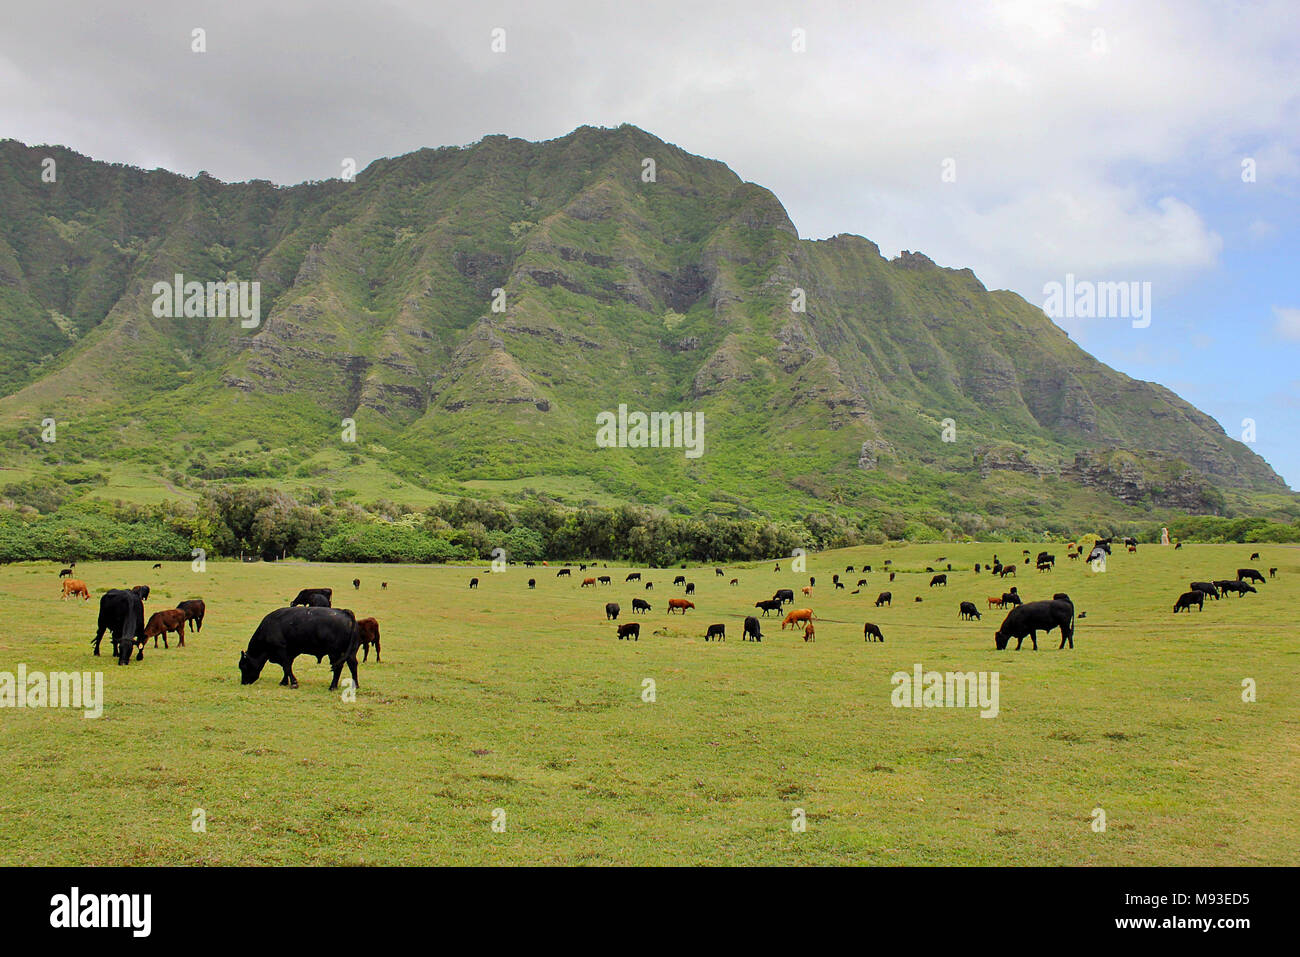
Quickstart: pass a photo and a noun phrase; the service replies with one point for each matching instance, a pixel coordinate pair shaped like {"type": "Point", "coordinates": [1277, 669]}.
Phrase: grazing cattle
{"type": "Point", "coordinates": [633, 577]}
{"type": "Point", "coordinates": [631, 631]}
{"type": "Point", "coordinates": [977, 568]}
{"type": "Point", "coordinates": [752, 632]}
{"type": "Point", "coordinates": [1206, 587]}
{"type": "Point", "coordinates": [194, 611]}
{"type": "Point", "coordinates": [885, 598]}
{"type": "Point", "coordinates": [286, 633]}
{"type": "Point", "coordinates": [891, 576]}
{"type": "Point", "coordinates": [1033, 617]}
{"type": "Point", "coordinates": [1254, 556]}
{"type": "Point", "coordinates": [1011, 598]}
{"type": "Point", "coordinates": [356, 583]}
{"type": "Point", "coordinates": [716, 631]}
{"type": "Point", "coordinates": [649, 586]}
{"type": "Point", "coordinates": [588, 581]}
{"type": "Point", "coordinates": [1132, 549]}
{"type": "Point", "coordinates": [839, 585]}
{"type": "Point", "coordinates": [776, 567]}
{"type": "Point", "coordinates": [675, 604]}
{"type": "Point", "coordinates": [968, 611]}
{"type": "Point", "coordinates": [1249, 574]}
{"type": "Point", "coordinates": [939, 580]}
{"type": "Point", "coordinates": [1239, 587]}
{"type": "Point", "coordinates": [383, 585]}
{"type": "Point", "coordinates": [767, 606]}
{"type": "Point", "coordinates": [848, 568]}
{"type": "Point", "coordinates": [784, 595]}
{"type": "Point", "coordinates": [1189, 598]}
{"type": "Point", "coordinates": [1178, 546]}
{"type": "Point", "coordinates": [679, 580]}
{"type": "Point", "coordinates": [889, 561]}
{"type": "Point", "coordinates": [995, 602]}
{"type": "Point", "coordinates": [1044, 566]}
{"type": "Point", "coordinates": [797, 615]}
{"type": "Point", "coordinates": [604, 580]}
{"type": "Point", "coordinates": [473, 583]}
{"type": "Point", "coordinates": [121, 613]}
{"type": "Point", "coordinates": [532, 583]}
{"type": "Point", "coordinates": [928, 568]}
{"type": "Point", "coordinates": [809, 632]}
{"type": "Point", "coordinates": [719, 572]}
{"type": "Point", "coordinates": [811, 582]}
{"type": "Point", "coordinates": [1008, 570]}
{"type": "Point", "coordinates": [866, 568]}
{"type": "Point", "coordinates": [861, 582]}
{"type": "Point", "coordinates": [807, 591]}
{"type": "Point", "coordinates": [368, 630]}
{"type": "Point", "coordinates": [735, 581]}
{"type": "Point", "coordinates": [65, 573]}
{"type": "Point", "coordinates": [563, 573]}
{"type": "Point", "coordinates": [1272, 572]}
{"type": "Point", "coordinates": [639, 605]}
{"type": "Point", "coordinates": [690, 588]}
{"type": "Point", "coordinates": [870, 632]}
{"type": "Point", "coordinates": [161, 622]}
{"type": "Point", "coordinates": [996, 568]}
{"type": "Point", "coordinates": [157, 565]}
{"type": "Point", "coordinates": [917, 598]}
{"type": "Point", "coordinates": [1072, 556]}
{"type": "Point", "coordinates": [75, 587]}
{"type": "Point", "coordinates": [306, 593]}
{"type": "Point", "coordinates": [611, 611]}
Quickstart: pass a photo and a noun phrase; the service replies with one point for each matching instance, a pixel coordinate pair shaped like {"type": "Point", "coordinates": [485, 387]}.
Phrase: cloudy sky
{"type": "Point", "coordinates": [1152, 142]}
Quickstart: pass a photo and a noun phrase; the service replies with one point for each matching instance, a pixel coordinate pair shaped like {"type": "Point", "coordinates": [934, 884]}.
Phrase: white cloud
{"type": "Point", "coordinates": [1287, 323]}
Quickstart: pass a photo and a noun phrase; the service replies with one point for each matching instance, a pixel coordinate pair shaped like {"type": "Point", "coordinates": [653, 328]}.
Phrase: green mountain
{"type": "Point", "coordinates": [672, 295]}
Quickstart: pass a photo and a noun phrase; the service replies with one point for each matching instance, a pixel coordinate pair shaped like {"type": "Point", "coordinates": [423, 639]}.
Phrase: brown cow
{"type": "Point", "coordinates": [799, 614]}
{"type": "Point", "coordinates": [588, 581]}
{"type": "Point", "coordinates": [368, 628]}
{"type": "Point", "coordinates": [995, 602]}
{"type": "Point", "coordinates": [75, 587]}
{"type": "Point", "coordinates": [681, 603]}
{"type": "Point", "coordinates": [161, 622]}
{"type": "Point", "coordinates": [809, 632]}
{"type": "Point", "coordinates": [807, 590]}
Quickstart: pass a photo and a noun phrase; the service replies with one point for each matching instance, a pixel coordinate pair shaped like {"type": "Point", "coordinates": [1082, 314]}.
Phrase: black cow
{"type": "Point", "coordinates": [633, 577]}
{"type": "Point", "coordinates": [1249, 574]}
{"type": "Point", "coordinates": [939, 580]}
{"type": "Point", "coordinates": [1207, 587]}
{"type": "Point", "coordinates": [286, 633]}
{"type": "Point", "coordinates": [751, 630]}
{"type": "Point", "coordinates": [65, 573]}
{"type": "Point", "coordinates": [611, 611]}
{"type": "Point", "coordinates": [639, 605]}
{"type": "Point", "coordinates": [690, 588]}
{"type": "Point", "coordinates": [564, 573]}
{"type": "Point", "coordinates": [604, 580]}
{"type": "Point", "coordinates": [767, 606]}
{"type": "Point", "coordinates": [473, 583]}
{"type": "Point", "coordinates": [194, 611]}
{"type": "Point", "coordinates": [716, 631]}
{"type": "Point", "coordinates": [1189, 598]}
{"type": "Point", "coordinates": [679, 580]}
{"type": "Point", "coordinates": [1254, 556]}
{"type": "Point", "coordinates": [1011, 598]}
{"type": "Point", "coordinates": [632, 631]}
{"type": "Point", "coordinates": [1033, 617]}
{"type": "Point", "coordinates": [649, 586]}
{"type": "Point", "coordinates": [719, 572]}
{"type": "Point", "coordinates": [306, 594]}
{"type": "Point", "coordinates": [1239, 587]}
{"type": "Point", "coordinates": [532, 583]}
{"type": "Point", "coordinates": [968, 611]}
{"type": "Point", "coordinates": [356, 583]}
{"type": "Point", "coordinates": [121, 613]}
{"type": "Point", "coordinates": [784, 595]}
{"type": "Point", "coordinates": [839, 585]}
{"type": "Point", "coordinates": [142, 591]}
{"type": "Point", "coordinates": [891, 576]}
{"type": "Point", "coordinates": [861, 582]}
{"type": "Point", "coordinates": [1272, 572]}
{"type": "Point", "coordinates": [885, 598]}
{"type": "Point", "coordinates": [870, 631]}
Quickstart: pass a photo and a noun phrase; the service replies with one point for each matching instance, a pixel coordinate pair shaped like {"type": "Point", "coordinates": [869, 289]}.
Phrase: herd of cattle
{"type": "Point", "coordinates": [311, 626]}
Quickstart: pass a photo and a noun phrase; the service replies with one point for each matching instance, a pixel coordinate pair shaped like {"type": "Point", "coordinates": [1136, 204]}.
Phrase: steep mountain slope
{"type": "Point", "coordinates": [474, 310]}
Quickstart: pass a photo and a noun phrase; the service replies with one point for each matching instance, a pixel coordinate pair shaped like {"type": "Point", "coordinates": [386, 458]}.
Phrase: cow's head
{"type": "Point", "coordinates": [1000, 640]}
{"type": "Point", "coordinates": [249, 669]}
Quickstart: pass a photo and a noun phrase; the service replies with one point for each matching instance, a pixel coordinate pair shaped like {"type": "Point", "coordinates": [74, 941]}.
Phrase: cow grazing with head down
{"type": "Point", "coordinates": [885, 598]}
{"type": "Point", "coordinates": [286, 633]}
{"type": "Point", "coordinates": [65, 573]}
{"type": "Point", "coordinates": [784, 595]}
{"type": "Point", "coordinates": [796, 616]}
{"type": "Point", "coordinates": [939, 580]}
{"type": "Point", "coordinates": [1035, 616]}
{"type": "Point", "coordinates": [304, 596]}
{"type": "Point", "coordinates": [1240, 587]}
{"type": "Point", "coordinates": [716, 631]}
{"type": "Point", "coordinates": [1254, 556]}
{"type": "Point", "coordinates": [690, 588]}
{"type": "Point", "coordinates": [356, 583]}
{"type": "Point", "coordinates": [1189, 598]}
{"type": "Point", "coordinates": [639, 605]}
{"type": "Point", "coordinates": [588, 581]}
{"type": "Point", "coordinates": [679, 580]}
{"type": "Point", "coordinates": [121, 614]}
{"type": "Point", "coordinates": [194, 611]}
{"type": "Point", "coordinates": [75, 588]}
{"type": "Point", "coordinates": [473, 583]}
{"type": "Point", "coordinates": [1249, 574]}
{"type": "Point", "coordinates": [368, 630]}
{"type": "Point", "coordinates": [768, 606]}
{"type": "Point", "coordinates": [968, 611]}
{"type": "Point", "coordinates": [633, 577]}
{"type": "Point", "coordinates": [870, 632]}
{"type": "Point", "coordinates": [532, 583]}
{"type": "Point", "coordinates": [563, 573]}
{"type": "Point", "coordinates": [1206, 587]}
{"type": "Point", "coordinates": [752, 632]}
{"type": "Point", "coordinates": [631, 631]}
{"type": "Point", "coordinates": [161, 622]}
{"type": "Point", "coordinates": [611, 611]}
{"type": "Point", "coordinates": [809, 632]}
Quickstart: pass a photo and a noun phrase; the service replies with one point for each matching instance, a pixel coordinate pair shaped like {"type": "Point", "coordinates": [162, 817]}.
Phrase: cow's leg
{"type": "Point", "coordinates": [352, 667]}
{"type": "Point", "coordinates": [337, 668]}
{"type": "Point", "coordinates": [1033, 636]}
{"type": "Point", "coordinates": [99, 637]}
{"type": "Point", "coordinates": [180, 633]}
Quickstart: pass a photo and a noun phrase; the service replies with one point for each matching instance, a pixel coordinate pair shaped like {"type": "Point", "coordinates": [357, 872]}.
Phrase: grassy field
{"type": "Point", "coordinates": [505, 698]}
